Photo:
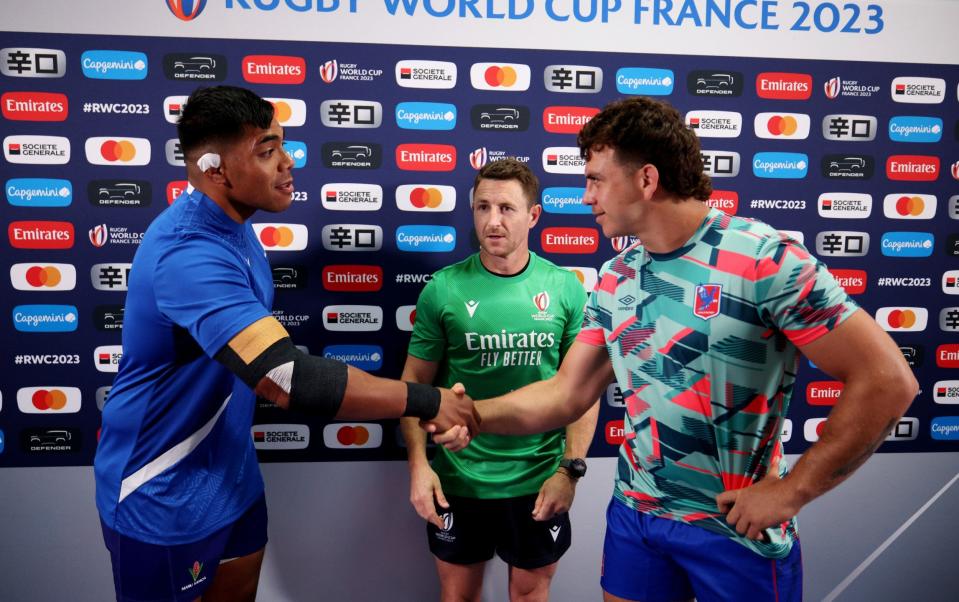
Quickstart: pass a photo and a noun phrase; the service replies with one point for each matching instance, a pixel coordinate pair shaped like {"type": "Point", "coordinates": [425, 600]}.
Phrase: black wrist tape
{"type": "Point", "coordinates": [422, 401]}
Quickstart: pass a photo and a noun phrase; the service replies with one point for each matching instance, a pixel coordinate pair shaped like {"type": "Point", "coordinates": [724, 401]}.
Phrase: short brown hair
{"type": "Point", "coordinates": [511, 169]}
{"type": "Point", "coordinates": [642, 130]}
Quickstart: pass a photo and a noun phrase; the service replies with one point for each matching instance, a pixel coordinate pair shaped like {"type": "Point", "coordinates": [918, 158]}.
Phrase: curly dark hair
{"type": "Point", "coordinates": [642, 130]}
{"type": "Point", "coordinates": [511, 169]}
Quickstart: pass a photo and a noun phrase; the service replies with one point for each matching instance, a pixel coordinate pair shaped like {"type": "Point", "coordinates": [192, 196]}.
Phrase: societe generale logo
{"type": "Point", "coordinates": [902, 319]}
{"type": "Point", "coordinates": [35, 106]}
{"type": "Point", "coordinates": [726, 201]}
{"type": "Point", "coordinates": [852, 281]}
{"type": "Point", "coordinates": [913, 168]}
{"type": "Point", "coordinates": [715, 124]}
{"type": "Point", "coordinates": [353, 278]}
{"type": "Point", "coordinates": [282, 237]}
{"type": "Point", "coordinates": [107, 358]}
{"type": "Point", "coordinates": [564, 160]}
{"type": "Point", "coordinates": [784, 86]}
{"type": "Point", "coordinates": [280, 436]}
{"type": "Point", "coordinates": [39, 150]}
{"type": "Point", "coordinates": [426, 157]}
{"type": "Point", "coordinates": [43, 276]}
{"type": "Point", "coordinates": [570, 240]}
{"type": "Point", "coordinates": [425, 197]}
{"type": "Point", "coordinates": [405, 317]}
{"type": "Point", "coordinates": [173, 108]}
{"type": "Point", "coordinates": [353, 435]}
{"type": "Point", "coordinates": [41, 235]}
{"type": "Point", "coordinates": [48, 400]}
{"type": "Point", "coordinates": [503, 77]}
{"type": "Point", "coordinates": [845, 205]}
{"type": "Point", "coordinates": [921, 90]}
{"type": "Point", "coordinates": [823, 392]}
{"type": "Point", "coordinates": [274, 69]}
{"type": "Point", "coordinates": [109, 150]}
{"type": "Point", "coordinates": [434, 75]}
{"type": "Point", "coordinates": [567, 120]}
{"type": "Point", "coordinates": [359, 318]}
{"type": "Point", "coordinates": [349, 196]}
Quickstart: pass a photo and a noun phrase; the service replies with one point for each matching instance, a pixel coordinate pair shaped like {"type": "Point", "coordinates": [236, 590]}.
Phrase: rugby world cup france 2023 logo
{"type": "Point", "coordinates": [186, 10]}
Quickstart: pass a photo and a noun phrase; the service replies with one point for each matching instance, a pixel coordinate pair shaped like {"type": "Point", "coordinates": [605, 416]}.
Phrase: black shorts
{"type": "Point", "coordinates": [476, 528]}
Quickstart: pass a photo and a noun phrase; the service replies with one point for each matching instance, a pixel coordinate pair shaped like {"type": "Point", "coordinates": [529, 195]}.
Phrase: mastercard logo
{"type": "Point", "coordinates": [902, 319]}
{"type": "Point", "coordinates": [40, 277]}
{"type": "Point", "coordinates": [910, 206]}
{"type": "Point", "coordinates": [406, 317]}
{"type": "Point", "coordinates": [117, 151]}
{"type": "Point", "coordinates": [425, 197]}
{"type": "Point", "coordinates": [353, 435]}
{"type": "Point", "coordinates": [782, 125]}
{"type": "Point", "coordinates": [511, 77]}
{"type": "Point", "coordinates": [281, 237]}
{"type": "Point", "coordinates": [46, 400]}
{"type": "Point", "coordinates": [289, 112]}
{"type": "Point", "coordinates": [813, 429]}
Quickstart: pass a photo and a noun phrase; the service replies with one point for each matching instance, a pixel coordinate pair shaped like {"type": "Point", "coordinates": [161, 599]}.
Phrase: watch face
{"type": "Point", "coordinates": [576, 467]}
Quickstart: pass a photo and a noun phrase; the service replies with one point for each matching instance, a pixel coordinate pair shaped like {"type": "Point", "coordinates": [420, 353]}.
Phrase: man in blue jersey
{"type": "Point", "coordinates": [179, 490]}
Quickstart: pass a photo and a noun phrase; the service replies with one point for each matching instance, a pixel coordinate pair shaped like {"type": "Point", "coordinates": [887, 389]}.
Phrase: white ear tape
{"type": "Point", "coordinates": [208, 161]}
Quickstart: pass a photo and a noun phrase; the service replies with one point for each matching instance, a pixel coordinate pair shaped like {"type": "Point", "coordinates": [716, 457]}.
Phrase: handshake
{"type": "Point", "coordinates": [457, 420]}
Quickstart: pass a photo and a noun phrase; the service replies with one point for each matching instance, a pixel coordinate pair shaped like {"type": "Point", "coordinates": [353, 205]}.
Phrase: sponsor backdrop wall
{"type": "Point", "coordinates": [803, 128]}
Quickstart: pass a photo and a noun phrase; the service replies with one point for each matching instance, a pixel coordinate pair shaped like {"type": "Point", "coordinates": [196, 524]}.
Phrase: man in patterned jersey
{"type": "Point", "coordinates": [179, 490]}
{"type": "Point", "coordinates": [500, 319]}
{"type": "Point", "coordinates": [701, 321]}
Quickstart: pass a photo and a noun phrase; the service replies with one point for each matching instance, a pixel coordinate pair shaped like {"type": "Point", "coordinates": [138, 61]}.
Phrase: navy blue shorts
{"type": "Point", "coordinates": [145, 572]}
{"type": "Point", "coordinates": [662, 560]}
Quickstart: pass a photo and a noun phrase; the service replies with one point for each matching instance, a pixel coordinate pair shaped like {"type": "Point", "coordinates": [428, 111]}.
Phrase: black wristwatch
{"type": "Point", "coordinates": [575, 467]}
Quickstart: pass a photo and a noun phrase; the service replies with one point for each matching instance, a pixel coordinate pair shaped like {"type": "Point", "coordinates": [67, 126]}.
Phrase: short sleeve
{"type": "Point", "coordinates": [203, 286]}
{"type": "Point", "coordinates": [576, 300]}
{"type": "Point", "coordinates": [596, 320]}
{"type": "Point", "coordinates": [796, 294]}
{"type": "Point", "coordinates": [428, 341]}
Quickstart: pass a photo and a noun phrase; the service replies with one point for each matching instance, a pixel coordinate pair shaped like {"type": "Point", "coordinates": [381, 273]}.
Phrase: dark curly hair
{"type": "Point", "coordinates": [642, 130]}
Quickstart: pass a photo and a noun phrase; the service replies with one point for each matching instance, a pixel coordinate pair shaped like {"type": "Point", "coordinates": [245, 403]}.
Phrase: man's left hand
{"type": "Point", "coordinates": [555, 497]}
{"type": "Point", "coordinates": [766, 503]}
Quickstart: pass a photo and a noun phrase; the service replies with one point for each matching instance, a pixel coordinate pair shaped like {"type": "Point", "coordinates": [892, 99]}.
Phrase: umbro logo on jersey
{"type": "Point", "coordinates": [471, 306]}
{"type": "Point", "coordinates": [706, 303]}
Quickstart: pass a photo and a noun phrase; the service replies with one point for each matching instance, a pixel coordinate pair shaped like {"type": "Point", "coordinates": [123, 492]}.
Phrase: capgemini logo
{"type": "Point", "coordinates": [186, 10]}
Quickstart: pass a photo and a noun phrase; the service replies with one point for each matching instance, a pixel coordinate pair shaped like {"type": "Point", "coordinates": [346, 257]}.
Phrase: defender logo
{"type": "Point", "coordinates": [715, 83]}
{"type": "Point", "coordinates": [573, 79]}
{"type": "Point", "coordinates": [352, 155]}
{"type": "Point", "coordinates": [119, 193]}
{"type": "Point", "coordinates": [707, 300]}
{"type": "Point", "coordinates": [500, 118]}
{"type": "Point", "coordinates": [195, 66]}
{"type": "Point", "coordinates": [108, 317]}
{"type": "Point", "coordinates": [33, 62]}
{"type": "Point", "coordinates": [848, 167]}
{"type": "Point", "coordinates": [289, 276]}
{"type": "Point", "coordinates": [47, 440]}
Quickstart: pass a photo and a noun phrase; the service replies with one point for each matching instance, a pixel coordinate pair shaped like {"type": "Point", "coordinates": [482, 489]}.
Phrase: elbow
{"type": "Point", "coordinates": [902, 388]}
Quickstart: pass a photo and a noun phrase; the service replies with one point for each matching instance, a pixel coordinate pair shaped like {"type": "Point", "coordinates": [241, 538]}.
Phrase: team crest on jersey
{"type": "Point", "coordinates": [706, 303]}
{"type": "Point", "coordinates": [541, 301]}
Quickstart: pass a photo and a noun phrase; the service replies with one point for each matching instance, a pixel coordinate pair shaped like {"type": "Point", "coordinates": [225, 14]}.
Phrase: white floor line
{"type": "Point", "coordinates": [882, 548]}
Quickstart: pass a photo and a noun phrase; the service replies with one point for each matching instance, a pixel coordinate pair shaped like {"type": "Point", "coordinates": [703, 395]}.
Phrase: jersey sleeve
{"type": "Point", "coordinates": [576, 299]}
{"type": "Point", "coordinates": [597, 320]}
{"type": "Point", "coordinates": [796, 294]}
{"type": "Point", "coordinates": [428, 341]}
{"type": "Point", "coordinates": [204, 287]}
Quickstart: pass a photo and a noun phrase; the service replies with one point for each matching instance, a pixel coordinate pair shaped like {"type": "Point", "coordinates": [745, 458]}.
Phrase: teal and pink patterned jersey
{"type": "Point", "coordinates": [703, 342]}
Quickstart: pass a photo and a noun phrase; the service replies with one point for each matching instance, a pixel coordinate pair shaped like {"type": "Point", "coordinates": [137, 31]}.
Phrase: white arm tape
{"type": "Point", "coordinates": [208, 161]}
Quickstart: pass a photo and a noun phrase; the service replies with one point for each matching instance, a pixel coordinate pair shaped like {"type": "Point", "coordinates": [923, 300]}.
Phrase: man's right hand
{"type": "Point", "coordinates": [456, 409]}
{"type": "Point", "coordinates": [424, 489]}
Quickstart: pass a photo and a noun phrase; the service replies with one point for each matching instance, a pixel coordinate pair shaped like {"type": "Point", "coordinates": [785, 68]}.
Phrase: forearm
{"type": "Point", "coordinates": [370, 397]}
{"type": "Point", "coordinates": [535, 408]}
{"type": "Point", "coordinates": [415, 439]}
{"type": "Point", "coordinates": [863, 416]}
{"type": "Point", "coordinates": [579, 435]}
